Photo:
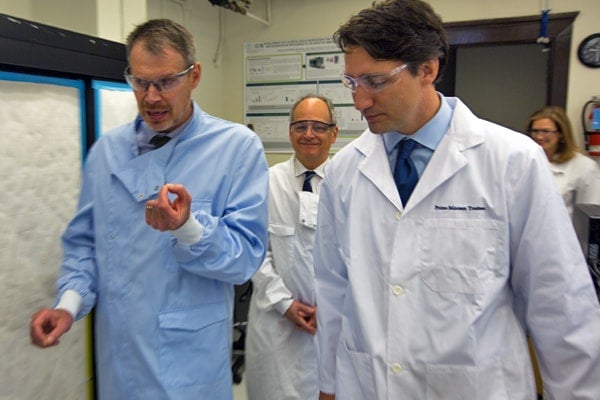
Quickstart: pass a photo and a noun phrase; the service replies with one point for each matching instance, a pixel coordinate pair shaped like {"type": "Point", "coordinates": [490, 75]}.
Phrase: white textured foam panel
{"type": "Point", "coordinates": [117, 107]}
{"type": "Point", "coordinates": [40, 168]}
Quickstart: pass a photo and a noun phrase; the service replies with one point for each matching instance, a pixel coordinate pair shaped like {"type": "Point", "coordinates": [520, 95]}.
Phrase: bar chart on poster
{"type": "Point", "coordinates": [278, 73]}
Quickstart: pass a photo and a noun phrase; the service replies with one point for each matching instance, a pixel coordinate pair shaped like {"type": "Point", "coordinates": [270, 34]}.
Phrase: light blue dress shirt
{"type": "Point", "coordinates": [427, 138]}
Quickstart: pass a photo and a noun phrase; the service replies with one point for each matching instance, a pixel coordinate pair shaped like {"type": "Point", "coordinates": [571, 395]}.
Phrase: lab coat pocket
{"type": "Point", "coordinates": [193, 344]}
{"type": "Point", "coordinates": [463, 382]}
{"type": "Point", "coordinates": [450, 382]}
{"type": "Point", "coordinates": [282, 243]}
{"type": "Point", "coordinates": [355, 369]}
{"type": "Point", "coordinates": [459, 255]}
{"type": "Point", "coordinates": [281, 230]}
{"type": "Point", "coordinates": [309, 206]}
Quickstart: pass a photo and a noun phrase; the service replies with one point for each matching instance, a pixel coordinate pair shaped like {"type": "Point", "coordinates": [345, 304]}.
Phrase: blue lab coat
{"type": "Point", "coordinates": [164, 310]}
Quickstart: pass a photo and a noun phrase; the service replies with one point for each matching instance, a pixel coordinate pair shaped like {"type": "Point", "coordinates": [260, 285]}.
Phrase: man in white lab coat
{"type": "Point", "coordinates": [281, 348]}
{"type": "Point", "coordinates": [432, 296]}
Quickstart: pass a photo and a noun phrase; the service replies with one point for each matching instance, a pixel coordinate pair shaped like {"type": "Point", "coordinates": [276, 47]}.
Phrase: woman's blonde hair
{"type": "Point", "coordinates": [566, 144]}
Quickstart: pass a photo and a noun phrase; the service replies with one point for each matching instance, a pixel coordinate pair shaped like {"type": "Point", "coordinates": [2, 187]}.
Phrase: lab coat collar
{"type": "Point", "coordinates": [375, 165]}
{"type": "Point", "coordinates": [465, 131]}
{"type": "Point", "coordinates": [144, 175]}
{"type": "Point", "coordinates": [558, 168]}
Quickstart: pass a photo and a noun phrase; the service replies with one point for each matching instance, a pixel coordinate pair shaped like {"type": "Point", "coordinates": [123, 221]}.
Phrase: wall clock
{"type": "Point", "coordinates": [589, 51]}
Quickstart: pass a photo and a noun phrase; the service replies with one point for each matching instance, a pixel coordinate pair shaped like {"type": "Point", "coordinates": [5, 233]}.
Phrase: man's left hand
{"type": "Point", "coordinates": [166, 215]}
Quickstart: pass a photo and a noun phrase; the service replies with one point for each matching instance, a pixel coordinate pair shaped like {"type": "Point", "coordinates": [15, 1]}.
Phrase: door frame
{"type": "Point", "coordinates": [520, 30]}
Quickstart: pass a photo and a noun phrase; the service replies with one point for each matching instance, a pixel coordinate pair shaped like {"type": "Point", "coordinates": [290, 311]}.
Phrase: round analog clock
{"type": "Point", "coordinates": [589, 51]}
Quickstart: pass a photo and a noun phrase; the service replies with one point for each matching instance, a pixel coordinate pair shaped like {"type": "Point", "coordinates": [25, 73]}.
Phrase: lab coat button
{"type": "Point", "coordinates": [397, 290]}
{"type": "Point", "coordinates": [398, 215]}
{"type": "Point", "coordinates": [397, 368]}
{"type": "Point", "coordinates": [140, 196]}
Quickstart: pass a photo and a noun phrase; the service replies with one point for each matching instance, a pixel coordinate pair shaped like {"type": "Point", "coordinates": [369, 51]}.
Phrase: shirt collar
{"type": "Point", "coordinates": [430, 134]}
{"type": "Point", "coordinates": [300, 169]}
{"type": "Point", "coordinates": [143, 133]}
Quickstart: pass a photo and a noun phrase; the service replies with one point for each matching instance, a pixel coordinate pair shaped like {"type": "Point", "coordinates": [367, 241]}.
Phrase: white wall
{"type": "Point", "coordinates": [21, 9]}
{"type": "Point", "coordinates": [221, 89]}
{"type": "Point", "coordinates": [81, 13]}
{"type": "Point", "coordinates": [114, 19]}
{"type": "Point", "coordinates": [317, 18]}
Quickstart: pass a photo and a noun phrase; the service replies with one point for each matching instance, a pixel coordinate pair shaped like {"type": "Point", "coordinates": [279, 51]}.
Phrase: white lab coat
{"type": "Point", "coordinates": [433, 301]}
{"type": "Point", "coordinates": [578, 181]}
{"type": "Point", "coordinates": [282, 360]}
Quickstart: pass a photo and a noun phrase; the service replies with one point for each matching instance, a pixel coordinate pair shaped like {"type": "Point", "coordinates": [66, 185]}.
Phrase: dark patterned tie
{"type": "Point", "coordinates": [405, 172]}
{"type": "Point", "coordinates": [306, 186]}
{"type": "Point", "coordinates": [159, 140]}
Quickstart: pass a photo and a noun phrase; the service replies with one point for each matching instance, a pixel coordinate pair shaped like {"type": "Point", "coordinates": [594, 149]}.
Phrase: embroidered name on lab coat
{"type": "Point", "coordinates": [459, 208]}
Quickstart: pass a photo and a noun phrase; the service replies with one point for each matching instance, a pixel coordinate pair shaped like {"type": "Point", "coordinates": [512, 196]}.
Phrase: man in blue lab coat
{"type": "Point", "coordinates": [172, 213]}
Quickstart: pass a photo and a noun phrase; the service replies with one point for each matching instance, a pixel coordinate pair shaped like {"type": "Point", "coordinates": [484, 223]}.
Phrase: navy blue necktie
{"type": "Point", "coordinates": [306, 186]}
{"type": "Point", "coordinates": [159, 140]}
{"type": "Point", "coordinates": [405, 172]}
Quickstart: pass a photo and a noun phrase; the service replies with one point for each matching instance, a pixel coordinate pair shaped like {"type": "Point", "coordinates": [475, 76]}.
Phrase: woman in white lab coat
{"type": "Point", "coordinates": [577, 176]}
{"type": "Point", "coordinates": [281, 349]}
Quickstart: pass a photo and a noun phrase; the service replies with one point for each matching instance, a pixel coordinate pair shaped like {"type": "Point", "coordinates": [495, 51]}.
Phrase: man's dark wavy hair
{"type": "Point", "coordinates": [402, 30]}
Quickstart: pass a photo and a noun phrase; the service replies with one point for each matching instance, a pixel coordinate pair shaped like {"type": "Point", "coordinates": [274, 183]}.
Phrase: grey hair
{"type": "Point", "coordinates": [157, 34]}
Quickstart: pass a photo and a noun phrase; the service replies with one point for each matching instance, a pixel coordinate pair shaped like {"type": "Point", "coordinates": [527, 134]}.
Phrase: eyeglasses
{"type": "Point", "coordinates": [162, 85]}
{"type": "Point", "coordinates": [541, 131]}
{"type": "Point", "coordinates": [373, 83]}
{"type": "Point", "coordinates": [317, 127]}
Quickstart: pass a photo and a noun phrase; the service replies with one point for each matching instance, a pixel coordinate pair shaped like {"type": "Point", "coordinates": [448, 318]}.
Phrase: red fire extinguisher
{"type": "Point", "coordinates": [590, 118]}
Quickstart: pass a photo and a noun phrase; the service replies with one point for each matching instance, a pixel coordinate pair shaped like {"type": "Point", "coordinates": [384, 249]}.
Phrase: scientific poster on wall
{"type": "Point", "coordinates": [278, 73]}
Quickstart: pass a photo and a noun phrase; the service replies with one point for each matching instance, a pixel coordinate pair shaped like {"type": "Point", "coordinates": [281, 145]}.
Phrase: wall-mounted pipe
{"type": "Point", "coordinates": [267, 22]}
